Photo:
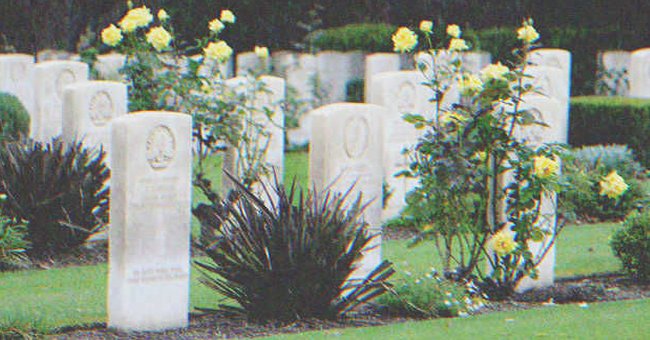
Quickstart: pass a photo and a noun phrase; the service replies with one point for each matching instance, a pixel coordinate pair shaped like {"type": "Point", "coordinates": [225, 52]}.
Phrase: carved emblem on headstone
{"type": "Point", "coordinates": [66, 77]}
{"type": "Point", "coordinates": [101, 108]}
{"type": "Point", "coordinates": [161, 147]}
{"type": "Point", "coordinates": [356, 136]}
{"type": "Point", "coordinates": [406, 98]}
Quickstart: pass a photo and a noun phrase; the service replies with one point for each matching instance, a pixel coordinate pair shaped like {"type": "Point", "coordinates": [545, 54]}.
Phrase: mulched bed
{"type": "Point", "coordinates": [596, 288]}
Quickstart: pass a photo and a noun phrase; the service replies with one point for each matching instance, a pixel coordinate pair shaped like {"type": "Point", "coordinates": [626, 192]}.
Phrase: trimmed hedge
{"type": "Point", "coordinates": [612, 120]}
{"type": "Point", "coordinates": [363, 37]}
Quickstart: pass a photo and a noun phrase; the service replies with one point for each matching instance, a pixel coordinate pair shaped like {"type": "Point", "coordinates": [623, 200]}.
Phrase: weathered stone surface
{"type": "Point", "coordinates": [379, 63]}
{"type": "Point", "coordinates": [640, 73]}
{"type": "Point", "coordinates": [335, 71]}
{"type": "Point", "coordinates": [17, 78]}
{"type": "Point", "coordinates": [149, 249]}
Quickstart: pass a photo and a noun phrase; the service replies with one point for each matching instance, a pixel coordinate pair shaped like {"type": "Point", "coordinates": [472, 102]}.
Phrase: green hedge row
{"type": "Point", "coordinates": [612, 120]}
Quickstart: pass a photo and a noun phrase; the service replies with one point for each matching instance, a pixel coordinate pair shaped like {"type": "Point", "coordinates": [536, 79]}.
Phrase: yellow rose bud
{"type": "Point", "coordinates": [454, 31]}
{"type": "Point", "coordinates": [159, 38]}
{"type": "Point", "coordinates": [111, 35]}
{"type": "Point", "coordinates": [228, 16]}
{"type": "Point", "coordinates": [219, 51]}
{"type": "Point", "coordinates": [470, 84]}
{"type": "Point", "coordinates": [404, 40]}
{"type": "Point", "coordinates": [613, 185]}
{"type": "Point", "coordinates": [458, 45]}
{"type": "Point", "coordinates": [262, 52]}
{"type": "Point", "coordinates": [503, 242]}
{"type": "Point", "coordinates": [136, 18]}
{"type": "Point", "coordinates": [162, 15]}
{"type": "Point", "coordinates": [544, 167]}
{"type": "Point", "coordinates": [494, 71]}
{"type": "Point", "coordinates": [426, 26]}
{"type": "Point", "coordinates": [527, 33]}
{"type": "Point", "coordinates": [216, 26]}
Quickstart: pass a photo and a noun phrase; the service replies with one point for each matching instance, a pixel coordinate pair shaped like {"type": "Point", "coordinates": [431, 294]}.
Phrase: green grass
{"type": "Point", "coordinates": [611, 320]}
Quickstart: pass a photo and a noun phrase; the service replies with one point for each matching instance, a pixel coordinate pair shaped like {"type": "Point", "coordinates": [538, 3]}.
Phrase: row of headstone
{"type": "Point", "coordinates": [624, 73]}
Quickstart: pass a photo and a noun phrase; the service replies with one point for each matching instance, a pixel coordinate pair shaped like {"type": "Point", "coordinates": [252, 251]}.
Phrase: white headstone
{"type": "Point", "coordinates": [108, 66]}
{"type": "Point", "coordinates": [335, 71]}
{"type": "Point", "coordinates": [17, 78]}
{"type": "Point", "coordinates": [640, 73]}
{"type": "Point", "coordinates": [149, 250]}
{"type": "Point", "coordinates": [249, 62]}
{"type": "Point", "coordinates": [270, 100]}
{"type": "Point", "coordinates": [475, 61]}
{"type": "Point", "coordinates": [88, 109]}
{"type": "Point", "coordinates": [557, 58]}
{"type": "Point", "coordinates": [346, 149]}
{"type": "Point", "coordinates": [50, 80]}
{"type": "Point", "coordinates": [378, 63]}
{"type": "Point", "coordinates": [400, 93]}
{"type": "Point", "coordinates": [53, 55]}
{"type": "Point", "coordinates": [300, 71]}
{"type": "Point", "coordinates": [552, 112]}
{"type": "Point", "coordinates": [614, 72]}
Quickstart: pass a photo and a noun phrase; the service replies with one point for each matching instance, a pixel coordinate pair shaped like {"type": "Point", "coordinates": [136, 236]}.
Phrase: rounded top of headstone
{"type": "Point", "coordinates": [641, 53]}
{"type": "Point", "coordinates": [16, 57]}
{"type": "Point", "coordinates": [335, 108]}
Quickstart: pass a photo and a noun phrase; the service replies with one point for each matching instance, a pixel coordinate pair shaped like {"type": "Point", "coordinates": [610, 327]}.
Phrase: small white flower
{"type": "Point", "coordinates": [447, 303]}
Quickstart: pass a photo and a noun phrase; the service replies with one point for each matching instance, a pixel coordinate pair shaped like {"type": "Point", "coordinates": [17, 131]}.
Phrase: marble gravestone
{"type": "Point", "coordinates": [475, 61]}
{"type": "Point", "coordinates": [108, 66]}
{"type": "Point", "coordinates": [272, 136]}
{"type": "Point", "coordinates": [400, 93]}
{"type": "Point", "coordinates": [559, 59]}
{"type": "Point", "coordinates": [249, 62]}
{"type": "Point", "coordinates": [335, 71]}
{"type": "Point", "coordinates": [17, 78]}
{"type": "Point", "coordinates": [50, 80]}
{"type": "Point", "coordinates": [346, 150]}
{"type": "Point", "coordinates": [149, 237]}
{"type": "Point", "coordinates": [377, 63]}
{"type": "Point", "coordinates": [553, 113]}
{"type": "Point", "coordinates": [614, 73]}
{"type": "Point", "coordinates": [88, 109]}
{"type": "Point", "coordinates": [640, 73]}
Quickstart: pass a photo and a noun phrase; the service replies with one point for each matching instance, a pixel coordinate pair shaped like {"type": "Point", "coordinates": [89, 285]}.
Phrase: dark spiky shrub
{"type": "Point", "coordinates": [57, 189]}
{"type": "Point", "coordinates": [289, 260]}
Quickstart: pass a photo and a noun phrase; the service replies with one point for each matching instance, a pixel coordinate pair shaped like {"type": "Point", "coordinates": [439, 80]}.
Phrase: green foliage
{"type": "Point", "coordinates": [12, 242]}
{"type": "Point", "coordinates": [612, 120]}
{"type": "Point", "coordinates": [57, 189]}
{"type": "Point", "coordinates": [584, 168]}
{"type": "Point", "coordinates": [14, 118]}
{"type": "Point", "coordinates": [289, 260]}
{"type": "Point", "coordinates": [429, 296]}
{"type": "Point", "coordinates": [353, 37]}
{"type": "Point", "coordinates": [354, 91]}
{"type": "Point", "coordinates": [631, 245]}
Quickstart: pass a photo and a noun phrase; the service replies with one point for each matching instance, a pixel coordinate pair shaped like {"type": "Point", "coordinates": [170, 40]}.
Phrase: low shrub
{"type": "Point", "coordinates": [611, 120]}
{"type": "Point", "coordinates": [289, 260]}
{"type": "Point", "coordinates": [631, 245]}
{"type": "Point", "coordinates": [12, 243]}
{"type": "Point", "coordinates": [430, 296]}
{"type": "Point", "coordinates": [363, 37]}
{"type": "Point", "coordinates": [14, 118]}
{"type": "Point", "coordinates": [584, 168]}
{"type": "Point", "coordinates": [57, 189]}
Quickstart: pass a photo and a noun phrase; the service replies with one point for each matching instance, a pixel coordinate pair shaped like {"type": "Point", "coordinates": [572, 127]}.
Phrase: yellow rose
{"type": "Point", "coordinates": [159, 38]}
{"type": "Point", "coordinates": [494, 71]}
{"type": "Point", "coordinates": [454, 31]}
{"type": "Point", "coordinates": [544, 167]}
{"type": "Point", "coordinates": [527, 33]}
{"type": "Point", "coordinates": [262, 52]}
{"type": "Point", "coordinates": [404, 40]}
{"type": "Point", "coordinates": [426, 26]}
{"type": "Point", "coordinates": [503, 242]}
{"type": "Point", "coordinates": [228, 16]}
{"type": "Point", "coordinates": [469, 84]}
{"type": "Point", "coordinates": [456, 44]}
{"type": "Point", "coordinates": [216, 26]}
{"type": "Point", "coordinates": [111, 35]}
{"type": "Point", "coordinates": [136, 18]}
{"type": "Point", "coordinates": [219, 51]}
{"type": "Point", "coordinates": [162, 15]}
{"type": "Point", "coordinates": [613, 185]}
